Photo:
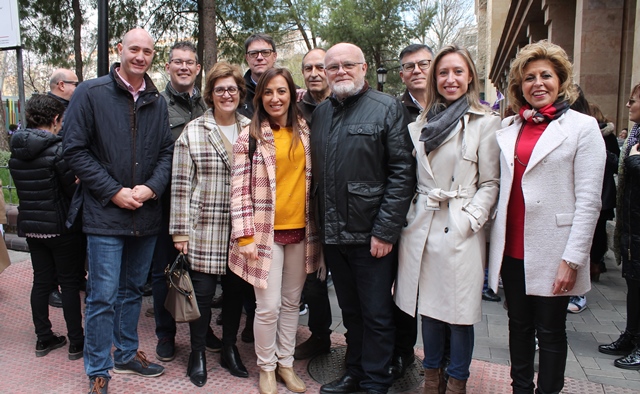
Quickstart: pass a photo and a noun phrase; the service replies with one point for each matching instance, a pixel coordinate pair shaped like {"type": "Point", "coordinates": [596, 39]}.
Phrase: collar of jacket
{"type": "Point", "coordinates": [184, 97]}
{"type": "Point", "coordinates": [340, 104]}
{"type": "Point", "coordinates": [150, 86]}
{"type": "Point", "coordinates": [249, 82]}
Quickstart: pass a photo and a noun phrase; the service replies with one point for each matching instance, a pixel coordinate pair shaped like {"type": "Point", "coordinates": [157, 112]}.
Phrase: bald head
{"type": "Point", "coordinates": [346, 69]}
{"type": "Point", "coordinates": [136, 55]}
{"type": "Point", "coordinates": [63, 83]}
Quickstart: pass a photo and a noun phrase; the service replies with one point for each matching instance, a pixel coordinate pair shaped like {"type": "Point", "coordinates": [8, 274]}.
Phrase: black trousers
{"type": "Point", "coordinates": [633, 306]}
{"type": "Point", "coordinates": [204, 286]}
{"type": "Point", "coordinates": [531, 316]}
{"type": "Point", "coordinates": [406, 332]}
{"type": "Point", "coordinates": [59, 258]}
{"type": "Point", "coordinates": [316, 295]}
{"type": "Point", "coordinates": [363, 287]}
{"type": "Point", "coordinates": [237, 292]}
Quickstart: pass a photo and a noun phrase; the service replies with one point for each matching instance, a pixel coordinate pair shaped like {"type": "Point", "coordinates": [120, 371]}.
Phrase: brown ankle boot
{"type": "Point", "coordinates": [434, 382]}
{"type": "Point", "coordinates": [455, 386]}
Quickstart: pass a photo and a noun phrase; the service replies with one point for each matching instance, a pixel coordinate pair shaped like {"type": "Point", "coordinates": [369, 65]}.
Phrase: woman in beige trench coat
{"type": "Point", "coordinates": [442, 247]}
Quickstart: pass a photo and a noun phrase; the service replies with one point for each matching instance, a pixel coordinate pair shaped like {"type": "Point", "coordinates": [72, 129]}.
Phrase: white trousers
{"type": "Point", "coordinates": [278, 307]}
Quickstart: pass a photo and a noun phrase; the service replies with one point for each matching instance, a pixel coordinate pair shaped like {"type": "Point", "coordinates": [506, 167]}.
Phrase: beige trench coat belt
{"type": "Point", "coordinates": [437, 195]}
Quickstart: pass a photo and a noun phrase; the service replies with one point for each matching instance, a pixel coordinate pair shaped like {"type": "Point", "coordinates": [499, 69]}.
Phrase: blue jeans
{"type": "Point", "coordinates": [433, 337]}
{"type": "Point", "coordinates": [118, 268]}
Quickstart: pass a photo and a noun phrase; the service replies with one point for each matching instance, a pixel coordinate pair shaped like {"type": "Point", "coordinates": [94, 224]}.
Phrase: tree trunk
{"type": "Point", "coordinates": [77, 37]}
{"type": "Point", "coordinates": [208, 26]}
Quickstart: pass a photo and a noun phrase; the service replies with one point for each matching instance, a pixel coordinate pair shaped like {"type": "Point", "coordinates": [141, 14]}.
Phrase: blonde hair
{"type": "Point", "coordinates": [541, 50]}
{"type": "Point", "coordinates": [434, 98]}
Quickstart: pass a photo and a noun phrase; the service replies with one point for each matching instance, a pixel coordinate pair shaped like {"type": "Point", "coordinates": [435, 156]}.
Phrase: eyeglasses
{"type": "Point", "coordinates": [423, 64]}
{"type": "Point", "coordinates": [220, 90]}
{"type": "Point", "coordinates": [346, 66]}
{"type": "Point", "coordinates": [74, 83]}
{"type": "Point", "coordinates": [264, 52]}
{"type": "Point", "coordinates": [180, 62]}
{"type": "Point", "coordinates": [309, 67]}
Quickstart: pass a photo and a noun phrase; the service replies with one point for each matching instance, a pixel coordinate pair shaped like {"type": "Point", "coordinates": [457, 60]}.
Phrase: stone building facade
{"type": "Point", "coordinates": [602, 38]}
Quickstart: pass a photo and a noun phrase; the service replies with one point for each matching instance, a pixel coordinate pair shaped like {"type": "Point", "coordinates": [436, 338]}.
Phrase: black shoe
{"type": "Point", "coordinates": [166, 349]}
{"type": "Point", "coordinates": [631, 361]}
{"type": "Point", "coordinates": [214, 344]}
{"type": "Point", "coordinates": [44, 347]}
{"type": "Point", "coordinates": [247, 333]}
{"type": "Point", "coordinates": [489, 295]}
{"type": "Point", "coordinates": [76, 350]}
{"type": "Point", "coordinates": [139, 365]}
{"type": "Point", "coordinates": [55, 299]}
{"type": "Point", "coordinates": [400, 364]}
{"type": "Point", "coordinates": [344, 385]}
{"type": "Point", "coordinates": [621, 346]}
{"type": "Point", "coordinates": [197, 368]}
{"type": "Point", "coordinates": [98, 385]}
{"type": "Point", "coordinates": [312, 347]}
{"type": "Point", "coordinates": [230, 359]}
{"type": "Point", "coordinates": [217, 302]}
{"type": "Point", "coordinates": [147, 289]}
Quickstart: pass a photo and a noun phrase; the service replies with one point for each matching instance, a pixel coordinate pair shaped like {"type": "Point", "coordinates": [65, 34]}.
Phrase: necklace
{"type": "Point", "coordinates": [515, 151]}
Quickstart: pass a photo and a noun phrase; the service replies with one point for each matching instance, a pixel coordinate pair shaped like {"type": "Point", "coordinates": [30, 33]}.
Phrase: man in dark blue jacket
{"type": "Point", "coordinates": [118, 143]}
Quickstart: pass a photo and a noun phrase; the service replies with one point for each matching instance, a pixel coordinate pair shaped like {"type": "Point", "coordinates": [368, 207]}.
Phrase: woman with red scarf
{"type": "Point", "coordinates": [552, 163]}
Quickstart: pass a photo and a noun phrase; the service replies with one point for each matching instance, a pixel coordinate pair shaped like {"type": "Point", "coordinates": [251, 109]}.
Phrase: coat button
{"type": "Point", "coordinates": [446, 229]}
{"type": "Point", "coordinates": [415, 200]}
{"type": "Point", "coordinates": [406, 224]}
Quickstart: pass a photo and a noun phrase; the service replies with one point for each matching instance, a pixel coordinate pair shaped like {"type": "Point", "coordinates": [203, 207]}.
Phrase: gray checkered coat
{"type": "Point", "coordinates": [201, 193]}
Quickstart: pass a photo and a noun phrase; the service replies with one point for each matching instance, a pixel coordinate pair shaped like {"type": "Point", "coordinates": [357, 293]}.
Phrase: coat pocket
{"type": "Point", "coordinates": [363, 205]}
{"type": "Point", "coordinates": [564, 219]}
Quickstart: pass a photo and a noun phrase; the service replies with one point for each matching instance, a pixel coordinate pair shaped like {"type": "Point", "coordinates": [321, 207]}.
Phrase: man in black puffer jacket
{"type": "Point", "coordinates": [363, 182]}
{"type": "Point", "coordinates": [118, 143]}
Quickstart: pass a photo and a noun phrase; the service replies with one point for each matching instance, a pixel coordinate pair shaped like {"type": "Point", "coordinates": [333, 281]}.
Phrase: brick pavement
{"type": "Point", "coordinates": [21, 372]}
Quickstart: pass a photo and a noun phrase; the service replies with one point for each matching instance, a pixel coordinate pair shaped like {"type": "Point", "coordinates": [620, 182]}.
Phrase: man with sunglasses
{"type": "Point", "coordinates": [261, 55]}
{"type": "Point", "coordinates": [415, 61]}
{"type": "Point", "coordinates": [363, 182]}
{"type": "Point", "coordinates": [63, 83]}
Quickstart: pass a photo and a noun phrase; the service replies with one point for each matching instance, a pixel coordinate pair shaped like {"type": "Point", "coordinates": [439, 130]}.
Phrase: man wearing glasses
{"type": "Point", "coordinates": [415, 61]}
{"type": "Point", "coordinates": [261, 55]}
{"type": "Point", "coordinates": [363, 182]}
{"type": "Point", "coordinates": [63, 83]}
{"type": "Point", "coordinates": [184, 104]}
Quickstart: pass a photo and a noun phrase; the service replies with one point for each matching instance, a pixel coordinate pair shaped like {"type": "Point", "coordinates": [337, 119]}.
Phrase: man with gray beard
{"type": "Point", "coordinates": [364, 179]}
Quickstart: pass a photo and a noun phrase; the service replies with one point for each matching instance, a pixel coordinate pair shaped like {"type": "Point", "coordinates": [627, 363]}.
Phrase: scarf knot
{"type": "Point", "coordinates": [545, 114]}
{"type": "Point", "coordinates": [441, 121]}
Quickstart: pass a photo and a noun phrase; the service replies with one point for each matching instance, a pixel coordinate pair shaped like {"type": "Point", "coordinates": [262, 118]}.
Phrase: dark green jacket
{"type": "Point", "coordinates": [182, 108]}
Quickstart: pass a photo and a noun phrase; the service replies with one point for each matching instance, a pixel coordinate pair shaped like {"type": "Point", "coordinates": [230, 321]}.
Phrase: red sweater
{"type": "Point", "coordinates": [530, 134]}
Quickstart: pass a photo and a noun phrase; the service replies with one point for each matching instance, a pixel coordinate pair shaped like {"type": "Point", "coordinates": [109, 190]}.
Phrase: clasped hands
{"type": "Point", "coordinates": [132, 199]}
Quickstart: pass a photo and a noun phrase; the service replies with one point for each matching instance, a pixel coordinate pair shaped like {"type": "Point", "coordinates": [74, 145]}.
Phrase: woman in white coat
{"type": "Point", "coordinates": [442, 247]}
{"type": "Point", "coordinates": [552, 164]}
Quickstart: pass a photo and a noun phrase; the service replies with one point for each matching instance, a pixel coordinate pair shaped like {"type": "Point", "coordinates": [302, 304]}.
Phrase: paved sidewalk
{"type": "Point", "coordinates": [21, 372]}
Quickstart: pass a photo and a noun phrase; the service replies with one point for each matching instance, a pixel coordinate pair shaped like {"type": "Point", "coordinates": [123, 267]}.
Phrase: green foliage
{"type": "Point", "coordinates": [10, 195]}
{"type": "Point", "coordinates": [47, 29]}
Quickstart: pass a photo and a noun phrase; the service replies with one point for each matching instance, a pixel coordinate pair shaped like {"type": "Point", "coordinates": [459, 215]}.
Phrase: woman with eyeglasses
{"type": "Point", "coordinates": [274, 243]}
{"type": "Point", "coordinates": [442, 246]}
{"type": "Point", "coordinates": [200, 214]}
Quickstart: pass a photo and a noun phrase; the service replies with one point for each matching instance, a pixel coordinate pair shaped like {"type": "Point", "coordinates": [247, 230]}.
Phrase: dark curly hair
{"type": "Point", "coordinates": [41, 110]}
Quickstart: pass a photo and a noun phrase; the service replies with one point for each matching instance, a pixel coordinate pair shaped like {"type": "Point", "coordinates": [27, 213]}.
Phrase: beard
{"type": "Point", "coordinates": [346, 89]}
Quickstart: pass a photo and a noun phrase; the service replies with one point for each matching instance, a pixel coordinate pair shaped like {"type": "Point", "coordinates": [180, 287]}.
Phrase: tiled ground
{"type": "Point", "coordinates": [22, 372]}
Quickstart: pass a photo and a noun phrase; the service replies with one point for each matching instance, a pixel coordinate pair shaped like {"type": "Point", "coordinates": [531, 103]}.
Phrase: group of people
{"type": "Point", "coordinates": [270, 187]}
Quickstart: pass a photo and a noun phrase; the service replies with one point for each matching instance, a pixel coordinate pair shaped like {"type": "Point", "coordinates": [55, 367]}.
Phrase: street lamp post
{"type": "Point", "coordinates": [382, 77]}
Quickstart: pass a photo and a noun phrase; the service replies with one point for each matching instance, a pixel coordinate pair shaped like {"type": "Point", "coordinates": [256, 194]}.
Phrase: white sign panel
{"type": "Point", "coordinates": [9, 28]}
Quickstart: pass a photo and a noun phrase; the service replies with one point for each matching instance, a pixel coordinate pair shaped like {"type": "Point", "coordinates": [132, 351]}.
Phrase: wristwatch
{"type": "Point", "coordinates": [573, 266]}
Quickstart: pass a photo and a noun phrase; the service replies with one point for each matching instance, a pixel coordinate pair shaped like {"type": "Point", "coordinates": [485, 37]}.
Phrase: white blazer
{"type": "Point", "coordinates": [561, 187]}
